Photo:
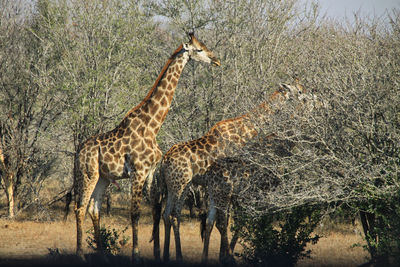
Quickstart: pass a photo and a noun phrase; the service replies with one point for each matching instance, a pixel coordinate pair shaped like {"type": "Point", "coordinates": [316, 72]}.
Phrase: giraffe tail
{"type": "Point", "coordinates": [72, 191]}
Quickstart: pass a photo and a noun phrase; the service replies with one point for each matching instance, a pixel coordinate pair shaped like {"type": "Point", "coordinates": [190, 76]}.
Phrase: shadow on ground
{"type": "Point", "coordinates": [94, 260]}
{"type": "Point", "coordinates": [61, 260]}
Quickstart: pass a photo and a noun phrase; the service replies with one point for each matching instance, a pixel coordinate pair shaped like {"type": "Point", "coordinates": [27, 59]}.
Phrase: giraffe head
{"type": "Point", "coordinates": [199, 52]}
{"type": "Point", "coordinates": [298, 92]}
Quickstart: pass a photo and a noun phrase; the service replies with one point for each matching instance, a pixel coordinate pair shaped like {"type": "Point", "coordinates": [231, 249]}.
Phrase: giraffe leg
{"type": "Point", "coordinates": [176, 220]}
{"type": "Point", "coordinates": [156, 212]}
{"type": "Point", "coordinates": [136, 191]}
{"type": "Point", "coordinates": [68, 200]}
{"type": "Point", "coordinates": [176, 226]}
{"type": "Point", "coordinates": [211, 216]}
{"type": "Point", "coordinates": [167, 225]}
{"type": "Point", "coordinates": [94, 210]}
{"type": "Point", "coordinates": [82, 201]}
{"type": "Point", "coordinates": [233, 242]}
{"type": "Point", "coordinates": [135, 215]}
{"type": "Point", "coordinates": [149, 183]}
{"type": "Point", "coordinates": [235, 237]}
{"type": "Point", "coordinates": [80, 216]}
{"type": "Point", "coordinates": [156, 201]}
{"type": "Point", "coordinates": [222, 226]}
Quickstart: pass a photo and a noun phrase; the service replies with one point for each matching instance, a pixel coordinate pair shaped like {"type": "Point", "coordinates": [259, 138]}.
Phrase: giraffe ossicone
{"type": "Point", "coordinates": [130, 150]}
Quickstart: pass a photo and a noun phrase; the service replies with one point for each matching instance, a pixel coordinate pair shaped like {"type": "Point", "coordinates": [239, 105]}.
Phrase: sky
{"type": "Point", "coordinates": [340, 8]}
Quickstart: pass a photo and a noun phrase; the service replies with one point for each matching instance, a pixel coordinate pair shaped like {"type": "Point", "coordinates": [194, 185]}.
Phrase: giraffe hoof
{"type": "Point", "coordinates": [228, 260]}
{"type": "Point", "coordinates": [136, 259]}
{"type": "Point", "coordinates": [80, 255]}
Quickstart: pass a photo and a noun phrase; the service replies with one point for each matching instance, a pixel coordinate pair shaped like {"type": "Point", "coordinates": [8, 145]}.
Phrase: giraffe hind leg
{"type": "Point", "coordinates": [137, 195]}
{"type": "Point", "coordinates": [94, 210]}
{"type": "Point", "coordinates": [211, 217]}
{"type": "Point", "coordinates": [176, 220]}
{"type": "Point", "coordinates": [156, 203]}
{"type": "Point", "coordinates": [167, 225]}
{"type": "Point", "coordinates": [83, 196]}
{"type": "Point", "coordinates": [222, 226]}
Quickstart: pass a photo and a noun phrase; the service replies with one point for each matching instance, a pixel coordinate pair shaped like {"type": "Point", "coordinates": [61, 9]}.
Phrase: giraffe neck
{"type": "Point", "coordinates": [241, 129]}
{"type": "Point", "coordinates": [151, 112]}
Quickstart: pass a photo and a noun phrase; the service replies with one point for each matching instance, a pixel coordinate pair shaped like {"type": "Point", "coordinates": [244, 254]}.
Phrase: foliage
{"type": "Point", "coordinates": [67, 69]}
{"type": "Point", "coordinates": [277, 239]}
{"type": "Point", "coordinates": [112, 240]}
{"type": "Point", "coordinates": [70, 69]}
{"type": "Point", "coordinates": [381, 223]}
{"type": "Point", "coordinates": [27, 108]}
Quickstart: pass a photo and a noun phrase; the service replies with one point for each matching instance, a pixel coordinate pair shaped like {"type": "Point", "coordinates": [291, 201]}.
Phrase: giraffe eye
{"type": "Point", "coordinates": [199, 50]}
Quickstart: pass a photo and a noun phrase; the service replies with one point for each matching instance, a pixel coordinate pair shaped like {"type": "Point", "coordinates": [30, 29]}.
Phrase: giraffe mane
{"type": "Point", "coordinates": [227, 120]}
{"type": "Point", "coordinates": [160, 76]}
{"type": "Point", "coordinates": [275, 95]}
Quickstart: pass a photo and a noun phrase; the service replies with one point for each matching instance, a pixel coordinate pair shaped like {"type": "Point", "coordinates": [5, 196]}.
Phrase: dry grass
{"type": "Point", "coordinates": [336, 249]}
{"type": "Point", "coordinates": [29, 240]}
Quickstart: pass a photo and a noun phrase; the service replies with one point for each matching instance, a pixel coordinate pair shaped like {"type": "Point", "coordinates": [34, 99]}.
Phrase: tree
{"type": "Point", "coordinates": [346, 150]}
{"type": "Point", "coordinates": [103, 48]}
{"type": "Point", "coordinates": [69, 70]}
{"type": "Point", "coordinates": [28, 109]}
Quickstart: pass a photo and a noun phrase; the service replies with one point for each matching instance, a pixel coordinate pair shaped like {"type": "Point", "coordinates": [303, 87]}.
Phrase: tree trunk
{"type": "Point", "coordinates": [9, 188]}
{"type": "Point", "coordinates": [368, 224]}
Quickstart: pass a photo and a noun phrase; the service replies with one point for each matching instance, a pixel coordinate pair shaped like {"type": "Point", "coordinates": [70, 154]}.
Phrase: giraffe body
{"type": "Point", "coordinates": [224, 179]}
{"type": "Point", "coordinates": [130, 150]}
{"type": "Point", "coordinates": [186, 163]}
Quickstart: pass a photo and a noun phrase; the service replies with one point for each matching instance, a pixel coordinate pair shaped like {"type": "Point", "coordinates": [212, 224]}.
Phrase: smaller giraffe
{"type": "Point", "coordinates": [186, 162]}
{"type": "Point", "coordinates": [227, 176]}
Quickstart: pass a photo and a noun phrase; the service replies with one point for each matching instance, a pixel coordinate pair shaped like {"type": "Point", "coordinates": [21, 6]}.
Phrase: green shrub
{"type": "Point", "coordinates": [381, 224]}
{"type": "Point", "coordinates": [111, 239]}
{"type": "Point", "coordinates": [277, 240]}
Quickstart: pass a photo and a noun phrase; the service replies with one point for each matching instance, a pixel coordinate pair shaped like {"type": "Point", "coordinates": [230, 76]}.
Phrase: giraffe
{"type": "Point", "coordinates": [130, 150]}
{"type": "Point", "coordinates": [226, 176]}
{"type": "Point", "coordinates": [186, 163]}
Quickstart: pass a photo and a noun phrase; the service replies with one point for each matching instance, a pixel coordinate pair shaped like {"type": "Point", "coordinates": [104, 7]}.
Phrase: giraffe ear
{"type": "Point", "coordinates": [283, 87]}
{"type": "Point", "coordinates": [186, 46]}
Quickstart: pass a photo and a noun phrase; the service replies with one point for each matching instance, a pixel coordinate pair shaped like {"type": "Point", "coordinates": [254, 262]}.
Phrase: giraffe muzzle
{"type": "Point", "coordinates": [215, 62]}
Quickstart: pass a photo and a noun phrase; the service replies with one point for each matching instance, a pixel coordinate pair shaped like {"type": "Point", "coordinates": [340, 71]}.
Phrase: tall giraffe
{"type": "Point", "coordinates": [130, 150]}
{"type": "Point", "coordinates": [186, 163]}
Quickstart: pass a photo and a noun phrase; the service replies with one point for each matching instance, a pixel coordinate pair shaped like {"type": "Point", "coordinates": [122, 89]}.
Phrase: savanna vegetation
{"type": "Point", "coordinates": [70, 69]}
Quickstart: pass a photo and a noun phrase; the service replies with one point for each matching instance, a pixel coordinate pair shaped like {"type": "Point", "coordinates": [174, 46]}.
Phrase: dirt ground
{"type": "Point", "coordinates": [26, 243]}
